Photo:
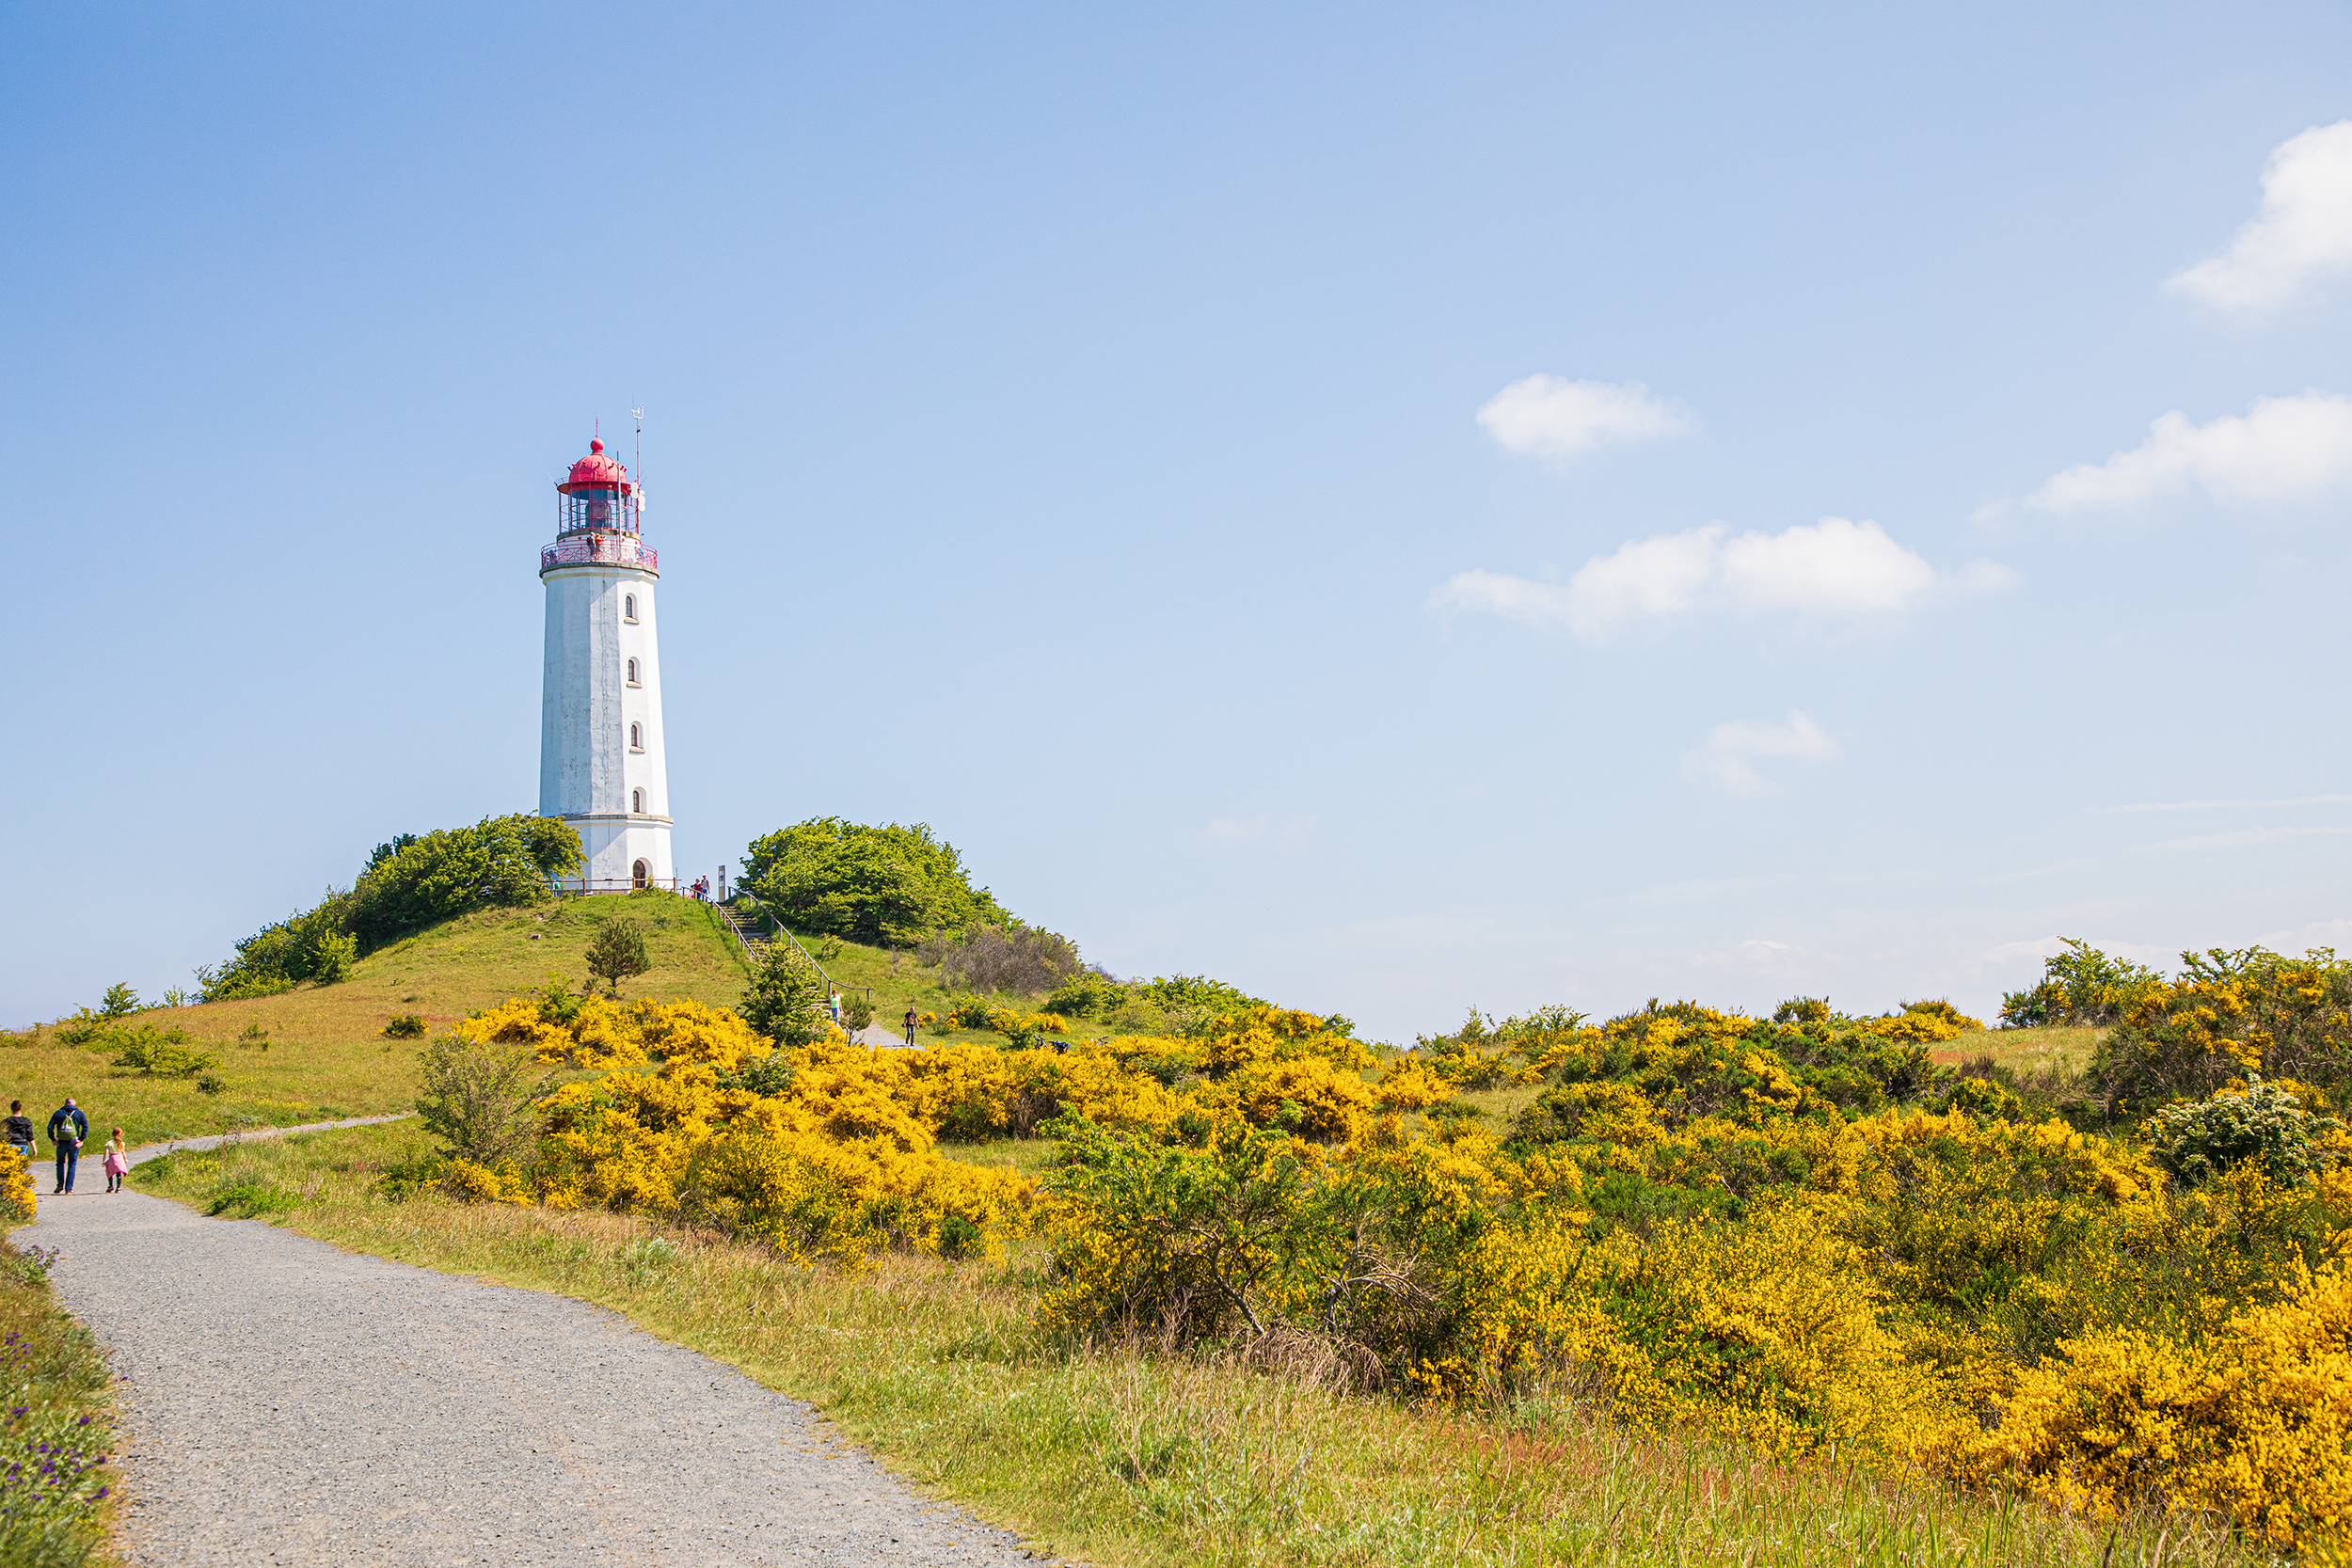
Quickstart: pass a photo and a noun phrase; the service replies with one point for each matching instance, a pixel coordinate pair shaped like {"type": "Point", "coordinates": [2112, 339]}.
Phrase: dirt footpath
{"type": "Point", "coordinates": [285, 1403]}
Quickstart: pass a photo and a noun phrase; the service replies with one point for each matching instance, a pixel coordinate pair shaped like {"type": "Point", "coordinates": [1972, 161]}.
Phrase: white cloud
{"type": "Point", "coordinates": [2215, 805]}
{"type": "Point", "coordinates": [2303, 231]}
{"type": "Point", "coordinates": [1831, 570]}
{"type": "Point", "coordinates": [2285, 448]}
{"type": "Point", "coordinates": [1544, 416]}
{"type": "Point", "coordinates": [2245, 836]}
{"type": "Point", "coordinates": [1725, 759]}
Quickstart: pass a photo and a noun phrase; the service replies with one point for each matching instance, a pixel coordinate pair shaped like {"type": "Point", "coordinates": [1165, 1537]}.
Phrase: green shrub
{"type": "Point", "coordinates": [2079, 986]}
{"type": "Point", "coordinates": [144, 1049]}
{"type": "Point", "coordinates": [2228, 1016]}
{"type": "Point", "coordinates": [478, 1095]}
{"type": "Point", "coordinates": [785, 997]}
{"type": "Point", "coordinates": [245, 1200]}
{"type": "Point", "coordinates": [2260, 1124]}
{"type": "Point", "coordinates": [119, 1001]}
{"type": "Point", "coordinates": [1088, 993]}
{"type": "Point", "coordinates": [211, 1083]}
{"type": "Point", "coordinates": [891, 885]}
{"type": "Point", "coordinates": [403, 1026]}
{"type": "Point", "coordinates": [409, 883]}
{"type": "Point", "coordinates": [619, 953]}
{"type": "Point", "coordinates": [857, 1010]}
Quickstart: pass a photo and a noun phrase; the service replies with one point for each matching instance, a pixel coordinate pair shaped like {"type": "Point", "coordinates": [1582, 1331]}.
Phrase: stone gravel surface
{"type": "Point", "coordinates": [287, 1403]}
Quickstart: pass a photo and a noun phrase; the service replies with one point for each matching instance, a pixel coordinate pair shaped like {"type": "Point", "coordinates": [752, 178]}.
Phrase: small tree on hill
{"type": "Point", "coordinates": [619, 953]}
{"type": "Point", "coordinates": [119, 1001]}
{"type": "Point", "coordinates": [479, 1097]}
{"type": "Point", "coordinates": [785, 997]}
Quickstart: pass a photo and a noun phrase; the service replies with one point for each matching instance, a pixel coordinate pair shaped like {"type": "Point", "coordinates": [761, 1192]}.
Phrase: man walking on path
{"type": "Point", "coordinates": [67, 1127]}
{"type": "Point", "coordinates": [910, 1023]}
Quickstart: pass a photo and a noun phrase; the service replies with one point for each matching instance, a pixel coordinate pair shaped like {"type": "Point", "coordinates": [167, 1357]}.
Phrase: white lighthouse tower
{"type": "Point", "coordinates": [601, 759]}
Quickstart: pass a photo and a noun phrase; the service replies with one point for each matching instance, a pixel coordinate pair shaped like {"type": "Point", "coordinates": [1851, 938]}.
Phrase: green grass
{"type": "Point", "coordinates": [55, 1414]}
{"type": "Point", "coordinates": [2025, 1050]}
{"type": "Point", "coordinates": [1129, 1456]}
{"type": "Point", "coordinates": [317, 1052]}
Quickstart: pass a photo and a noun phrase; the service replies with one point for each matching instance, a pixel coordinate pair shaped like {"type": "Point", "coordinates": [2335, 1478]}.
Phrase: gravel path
{"type": "Point", "coordinates": [286, 1402]}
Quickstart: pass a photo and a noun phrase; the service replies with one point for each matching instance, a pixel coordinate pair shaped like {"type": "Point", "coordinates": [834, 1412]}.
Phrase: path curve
{"type": "Point", "coordinates": [285, 1403]}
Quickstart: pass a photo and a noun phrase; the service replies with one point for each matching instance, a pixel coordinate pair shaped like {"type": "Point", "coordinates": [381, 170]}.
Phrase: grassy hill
{"type": "Point", "coordinates": [317, 1052]}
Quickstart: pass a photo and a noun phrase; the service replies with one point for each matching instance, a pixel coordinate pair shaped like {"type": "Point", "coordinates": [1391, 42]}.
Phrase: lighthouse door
{"type": "Point", "coordinates": [640, 874]}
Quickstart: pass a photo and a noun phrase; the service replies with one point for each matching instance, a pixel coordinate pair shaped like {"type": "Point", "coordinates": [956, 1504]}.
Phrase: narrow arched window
{"type": "Point", "coordinates": [632, 671]}
{"type": "Point", "coordinates": [640, 874]}
{"type": "Point", "coordinates": [637, 801]}
{"type": "Point", "coordinates": [628, 607]}
{"type": "Point", "coordinates": [636, 739]}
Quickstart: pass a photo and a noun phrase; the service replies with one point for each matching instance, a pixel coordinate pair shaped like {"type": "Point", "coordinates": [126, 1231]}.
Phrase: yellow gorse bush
{"type": "Point", "coordinates": [1796, 1231]}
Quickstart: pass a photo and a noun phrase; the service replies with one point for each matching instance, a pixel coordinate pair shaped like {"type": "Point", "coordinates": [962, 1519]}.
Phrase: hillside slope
{"type": "Point", "coordinates": [318, 1052]}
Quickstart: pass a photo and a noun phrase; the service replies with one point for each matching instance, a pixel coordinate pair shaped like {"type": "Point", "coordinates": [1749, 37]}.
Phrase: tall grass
{"type": "Point", "coordinates": [55, 1433]}
{"type": "Point", "coordinates": [1136, 1456]}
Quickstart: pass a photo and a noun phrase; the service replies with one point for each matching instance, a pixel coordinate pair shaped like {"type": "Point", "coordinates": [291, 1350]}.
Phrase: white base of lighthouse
{"type": "Point", "coordinates": [624, 852]}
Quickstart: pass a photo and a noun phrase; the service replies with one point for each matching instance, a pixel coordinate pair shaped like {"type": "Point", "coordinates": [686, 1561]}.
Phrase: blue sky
{"type": "Point", "coordinates": [1329, 497]}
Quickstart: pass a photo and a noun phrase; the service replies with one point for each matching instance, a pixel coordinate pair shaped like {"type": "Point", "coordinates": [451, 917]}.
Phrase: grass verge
{"type": "Point", "coordinates": [54, 1434]}
{"type": "Point", "coordinates": [1132, 1457]}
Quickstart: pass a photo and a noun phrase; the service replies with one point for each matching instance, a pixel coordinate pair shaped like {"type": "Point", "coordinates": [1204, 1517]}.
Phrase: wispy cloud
{"type": "Point", "coordinates": [1728, 757]}
{"type": "Point", "coordinates": [2231, 805]}
{"type": "Point", "coordinates": [1544, 416]}
{"type": "Point", "coordinates": [2289, 449]}
{"type": "Point", "coordinates": [2302, 233]}
{"type": "Point", "coordinates": [2246, 837]}
{"type": "Point", "coordinates": [1833, 570]}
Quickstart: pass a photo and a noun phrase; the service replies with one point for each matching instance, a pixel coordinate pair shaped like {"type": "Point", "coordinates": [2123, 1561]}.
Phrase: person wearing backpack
{"type": "Point", "coordinates": [19, 1130]}
{"type": "Point", "coordinates": [67, 1127]}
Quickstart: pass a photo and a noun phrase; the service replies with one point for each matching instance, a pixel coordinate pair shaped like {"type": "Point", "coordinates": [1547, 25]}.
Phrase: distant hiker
{"type": "Point", "coordinates": [910, 1023]}
{"type": "Point", "coordinates": [118, 1162]}
{"type": "Point", "coordinates": [19, 1128]}
{"type": "Point", "coordinates": [67, 1127]}
{"type": "Point", "coordinates": [835, 1004]}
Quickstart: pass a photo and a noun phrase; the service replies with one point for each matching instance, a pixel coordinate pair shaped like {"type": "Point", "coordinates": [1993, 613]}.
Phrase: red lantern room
{"type": "Point", "coordinates": [597, 517]}
{"type": "Point", "coordinates": [598, 495]}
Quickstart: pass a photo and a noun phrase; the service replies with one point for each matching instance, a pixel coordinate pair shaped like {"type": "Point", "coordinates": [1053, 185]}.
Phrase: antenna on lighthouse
{"type": "Point", "coordinates": [638, 414]}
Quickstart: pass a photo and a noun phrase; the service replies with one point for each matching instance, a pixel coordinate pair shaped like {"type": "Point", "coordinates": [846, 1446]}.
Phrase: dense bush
{"type": "Point", "coordinates": [477, 1096]}
{"type": "Point", "coordinates": [892, 884]}
{"type": "Point", "coordinates": [409, 883]}
{"type": "Point", "coordinates": [2228, 1015]}
{"type": "Point", "coordinates": [158, 1053]}
{"type": "Point", "coordinates": [617, 952]}
{"type": "Point", "coordinates": [2261, 1124]}
{"type": "Point", "coordinates": [1087, 993]}
{"type": "Point", "coordinates": [2079, 986]}
{"type": "Point", "coordinates": [1021, 960]}
{"type": "Point", "coordinates": [785, 999]}
{"type": "Point", "coordinates": [1798, 1231]}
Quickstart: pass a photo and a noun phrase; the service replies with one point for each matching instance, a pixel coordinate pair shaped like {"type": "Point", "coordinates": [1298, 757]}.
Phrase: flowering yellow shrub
{"type": "Point", "coordinates": [1792, 1231]}
{"type": "Point", "coordinates": [19, 1194]}
{"type": "Point", "coordinates": [2255, 1422]}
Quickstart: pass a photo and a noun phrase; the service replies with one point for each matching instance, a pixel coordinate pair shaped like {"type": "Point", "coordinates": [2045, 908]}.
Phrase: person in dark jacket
{"type": "Point", "coordinates": [19, 1130]}
{"type": "Point", "coordinates": [67, 1127]}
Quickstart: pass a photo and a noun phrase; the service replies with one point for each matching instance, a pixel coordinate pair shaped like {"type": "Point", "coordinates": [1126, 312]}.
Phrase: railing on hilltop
{"type": "Point", "coordinates": [769, 915]}
{"type": "Point", "coordinates": [625, 885]}
{"type": "Point", "coordinates": [599, 549]}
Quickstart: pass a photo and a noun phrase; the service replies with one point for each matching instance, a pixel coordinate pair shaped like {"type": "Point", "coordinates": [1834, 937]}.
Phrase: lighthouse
{"type": "Point", "coordinates": [601, 759]}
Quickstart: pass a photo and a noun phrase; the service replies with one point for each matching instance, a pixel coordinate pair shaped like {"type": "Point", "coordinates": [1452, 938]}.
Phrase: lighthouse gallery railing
{"type": "Point", "coordinates": [599, 549]}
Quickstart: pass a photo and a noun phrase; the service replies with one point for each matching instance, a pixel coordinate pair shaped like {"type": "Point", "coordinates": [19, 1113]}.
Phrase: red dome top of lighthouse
{"type": "Point", "coordinates": [595, 471]}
